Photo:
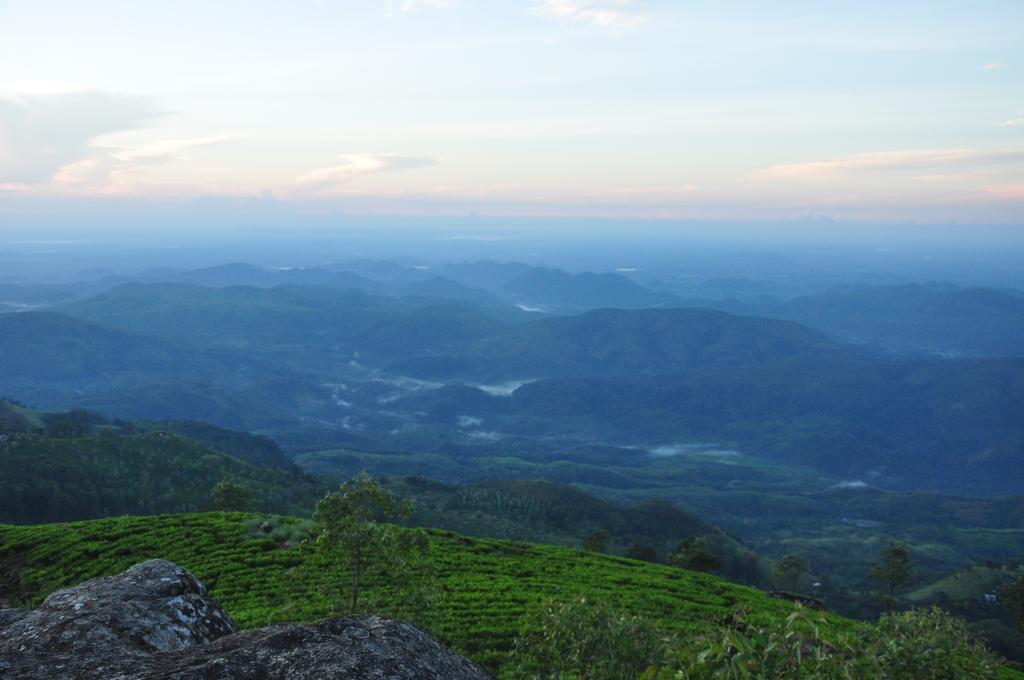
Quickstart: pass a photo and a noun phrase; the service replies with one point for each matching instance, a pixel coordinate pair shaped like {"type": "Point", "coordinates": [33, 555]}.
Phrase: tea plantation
{"type": "Point", "coordinates": [483, 591]}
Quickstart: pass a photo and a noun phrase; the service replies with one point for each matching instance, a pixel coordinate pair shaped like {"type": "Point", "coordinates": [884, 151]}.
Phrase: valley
{"type": "Point", "coordinates": [761, 437]}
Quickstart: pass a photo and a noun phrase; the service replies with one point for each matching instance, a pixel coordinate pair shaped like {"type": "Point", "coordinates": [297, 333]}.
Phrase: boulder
{"type": "Point", "coordinates": [156, 620]}
{"type": "Point", "coordinates": [8, 616]}
{"type": "Point", "coordinates": [363, 647]}
{"type": "Point", "coordinates": [106, 623]}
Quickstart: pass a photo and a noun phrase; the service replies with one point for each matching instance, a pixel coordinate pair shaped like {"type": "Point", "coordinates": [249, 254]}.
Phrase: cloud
{"type": "Point", "coordinates": [887, 161]}
{"type": "Point", "coordinates": [387, 7]}
{"type": "Point", "coordinates": [1008, 191]}
{"type": "Point", "coordinates": [113, 168]}
{"type": "Point", "coordinates": [353, 165]}
{"type": "Point", "coordinates": [994, 66]}
{"type": "Point", "coordinates": [42, 133]}
{"type": "Point", "coordinates": [1013, 122]}
{"type": "Point", "coordinates": [167, 150]}
{"type": "Point", "coordinates": [607, 13]}
{"type": "Point", "coordinates": [412, 5]}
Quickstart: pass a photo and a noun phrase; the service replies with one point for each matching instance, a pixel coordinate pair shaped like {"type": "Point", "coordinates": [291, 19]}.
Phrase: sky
{"type": "Point", "coordinates": [705, 109]}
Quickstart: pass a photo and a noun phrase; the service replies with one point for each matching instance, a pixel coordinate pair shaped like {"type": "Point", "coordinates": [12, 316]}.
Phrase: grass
{"type": "Point", "coordinates": [485, 588]}
{"type": "Point", "coordinates": [966, 585]}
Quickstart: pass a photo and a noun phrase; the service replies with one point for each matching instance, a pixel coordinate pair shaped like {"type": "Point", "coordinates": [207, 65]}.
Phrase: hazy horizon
{"type": "Point", "coordinates": [625, 109]}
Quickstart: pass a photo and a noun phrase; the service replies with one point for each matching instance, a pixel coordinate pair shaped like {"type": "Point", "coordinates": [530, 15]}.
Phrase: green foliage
{"type": "Point", "coordinates": [586, 640]}
{"type": "Point", "coordinates": [45, 478]}
{"type": "Point", "coordinates": [929, 644]}
{"type": "Point", "coordinates": [789, 569]}
{"type": "Point", "coordinates": [894, 569]}
{"type": "Point", "coordinates": [1012, 597]}
{"type": "Point", "coordinates": [735, 648]}
{"type": "Point", "coordinates": [775, 509]}
{"type": "Point", "coordinates": [596, 541]}
{"type": "Point", "coordinates": [351, 533]}
{"type": "Point", "coordinates": [645, 553]}
{"type": "Point", "coordinates": [232, 496]}
{"type": "Point", "coordinates": [546, 512]}
{"type": "Point", "coordinates": [485, 589]}
{"type": "Point", "coordinates": [257, 450]}
{"type": "Point", "coordinates": [695, 554]}
{"type": "Point", "coordinates": [907, 646]}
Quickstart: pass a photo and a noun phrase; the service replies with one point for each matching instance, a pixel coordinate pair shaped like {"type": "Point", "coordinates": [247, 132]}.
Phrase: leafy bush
{"type": "Point", "coordinates": [589, 641]}
{"type": "Point", "coordinates": [584, 640]}
{"type": "Point", "coordinates": [929, 644]}
{"type": "Point", "coordinates": [907, 646]}
{"type": "Point", "coordinates": [231, 496]}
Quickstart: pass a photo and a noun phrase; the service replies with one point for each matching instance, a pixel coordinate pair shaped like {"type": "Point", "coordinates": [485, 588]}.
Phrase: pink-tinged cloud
{"type": "Point", "coordinates": [1010, 191]}
{"type": "Point", "coordinates": [353, 165]}
{"type": "Point", "coordinates": [41, 133]}
{"type": "Point", "coordinates": [916, 160]}
{"type": "Point", "coordinates": [994, 66]}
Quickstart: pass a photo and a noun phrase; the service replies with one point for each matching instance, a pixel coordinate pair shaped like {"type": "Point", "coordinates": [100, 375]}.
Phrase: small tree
{"type": "Point", "coordinates": [646, 553]}
{"type": "Point", "coordinates": [229, 495]}
{"type": "Point", "coordinates": [596, 541]}
{"type": "Point", "coordinates": [694, 554]}
{"type": "Point", "coordinates": [1011, 596]}
{"type": "Point", "coordinates": [351, 532]}
{"type": "Point", "coordinates": [788, 571]}
{"type": "Point", "coordinates": [894, 570]}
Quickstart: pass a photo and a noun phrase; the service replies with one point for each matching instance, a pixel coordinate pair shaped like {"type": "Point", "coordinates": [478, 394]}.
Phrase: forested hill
{"type": "Point", "coordinates": [66, 466]}
{"type": "Point", "coordinates": [317, 368]}
{"type": "Point", "coordinates": [77, 465]}
{"type": "Point", "coordinates": [911, 318]}
{"type": "Point", "coordinates": [624, 342]}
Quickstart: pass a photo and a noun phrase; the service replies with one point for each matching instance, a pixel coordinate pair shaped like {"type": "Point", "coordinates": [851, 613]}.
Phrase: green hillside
{"type": "Point", "coordinates": [963, 594]}
{"type": "Point", "coordinates": [47, 478]}
{"type": "Point", "coordinates": [485, 588]}
{"type": "Point", "coordinates": [314, 367]}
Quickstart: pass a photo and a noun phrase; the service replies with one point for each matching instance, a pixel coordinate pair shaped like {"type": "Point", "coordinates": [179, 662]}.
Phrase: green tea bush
{"type": "Point", "coordinates": [589, 641]}
{"type": "Point", "coordinates": [586, 640]}
{"type": "Point", "coordinates": [913, 645]}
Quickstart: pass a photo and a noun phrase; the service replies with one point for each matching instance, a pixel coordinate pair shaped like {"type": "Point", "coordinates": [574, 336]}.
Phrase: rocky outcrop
{"type": "Point", "coordinates": [369, 647]}
{"type": "Point", "coordinates": [156, 620]}
{"type": "Point", "coordinates": [8, 616]}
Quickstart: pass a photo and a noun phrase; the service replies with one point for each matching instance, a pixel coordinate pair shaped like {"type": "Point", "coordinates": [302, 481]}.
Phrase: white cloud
{"type": "Point", "coordinates": [167, 150]}
{"type": "Point", "coordinates": [114, 169]}
{"type": "Point", "coordinates": [994, 66]}
{"type": "Point", "coordinates": [607, 13]}
{"type": "Point", "coordinates": [356, 164]}
{"type": "Point", "coordinates": [1013, 122]}
{"type": "Point", "coordinates": [387, 7]}
{"type": "Point", "coordinates": [33, 86]}
{"type": "Point", "coordinates": [42, 133]}
{"type": "Point", "coordinates": [412, 5]}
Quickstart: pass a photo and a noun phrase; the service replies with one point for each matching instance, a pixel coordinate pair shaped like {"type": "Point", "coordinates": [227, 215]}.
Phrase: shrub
{"type": "Point", "coordinates": [586, 640]}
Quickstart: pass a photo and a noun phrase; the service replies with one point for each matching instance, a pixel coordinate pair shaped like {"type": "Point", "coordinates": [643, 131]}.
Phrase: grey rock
{"type": "Point", "coordinates": [156, 620]}
{"type": "Point", "coordinates": [8, 616]}
{"type": "Point", "coordinates": [105, 623]}
{"type": "Point", "coordinates": [364, 647]}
